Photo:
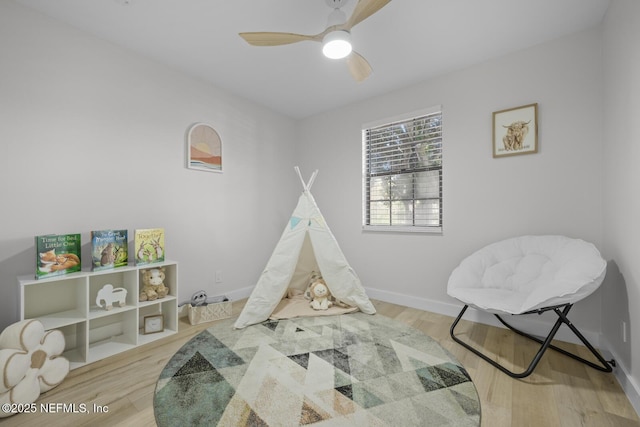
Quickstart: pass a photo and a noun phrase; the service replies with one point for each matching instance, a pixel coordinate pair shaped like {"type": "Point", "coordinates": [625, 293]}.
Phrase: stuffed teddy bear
{"type": "Point", "coordinates": [320, 295]}
{"type": "Point", "coordinates": [153, 284]}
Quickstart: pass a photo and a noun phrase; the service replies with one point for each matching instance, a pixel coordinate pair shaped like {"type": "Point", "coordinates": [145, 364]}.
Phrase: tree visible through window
{"type": "Point", "coordinates": [403, 173]}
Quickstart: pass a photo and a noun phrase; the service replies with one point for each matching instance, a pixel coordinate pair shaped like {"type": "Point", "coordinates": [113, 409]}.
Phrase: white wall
{"type": "Point", "coordinates": [557, 190]}
{"type": "Point", "coordinates": [621, 153]}
{"type": "Point", "coordinates": [93, 137]}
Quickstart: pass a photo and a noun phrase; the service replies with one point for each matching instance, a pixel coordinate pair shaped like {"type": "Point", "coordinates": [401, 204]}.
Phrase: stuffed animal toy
{"type": "Point", "coordinates": [199, 298]}
{"type": "Point", "coordinates": [313, 277]}
{"type": "Point", "coordinates": [320, 295]}
{"type": "Point", "coordinates": [153, 284]}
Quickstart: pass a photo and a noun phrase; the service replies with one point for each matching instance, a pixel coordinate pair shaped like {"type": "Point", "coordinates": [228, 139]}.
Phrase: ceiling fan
{"type": "Point", "coordinates": [336, 38]}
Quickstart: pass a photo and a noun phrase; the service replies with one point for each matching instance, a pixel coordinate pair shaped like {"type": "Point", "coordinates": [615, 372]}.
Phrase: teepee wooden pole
{"type": "Point", "coordinates": [313, 177]}
{"type": "Point", "coordinates": [304, 185]}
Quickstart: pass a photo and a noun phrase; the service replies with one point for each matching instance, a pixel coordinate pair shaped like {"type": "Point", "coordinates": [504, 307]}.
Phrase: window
{"type": "Point", "coordinates": [402, 173]}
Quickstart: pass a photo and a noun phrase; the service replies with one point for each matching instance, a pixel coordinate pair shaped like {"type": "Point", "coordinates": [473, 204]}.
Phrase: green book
{"type": "Point", "coordinates": [57, 254]}
{"type": "Point", "coordinates": [109, 249]}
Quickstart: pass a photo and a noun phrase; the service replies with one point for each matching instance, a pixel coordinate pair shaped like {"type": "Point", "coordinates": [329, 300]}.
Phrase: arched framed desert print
{"type": "Point", "coordinates": [204, 148]}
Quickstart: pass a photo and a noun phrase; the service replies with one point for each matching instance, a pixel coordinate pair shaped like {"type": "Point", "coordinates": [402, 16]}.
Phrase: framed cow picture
{"type": "Point", "coordinates": [515, 131]}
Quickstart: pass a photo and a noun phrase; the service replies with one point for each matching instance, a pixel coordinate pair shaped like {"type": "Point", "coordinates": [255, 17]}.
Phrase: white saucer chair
{"type": "Point", "coordinates": [530, 275]}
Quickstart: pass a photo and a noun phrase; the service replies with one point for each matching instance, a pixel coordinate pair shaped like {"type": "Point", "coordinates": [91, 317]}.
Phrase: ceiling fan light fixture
{"type": "Point", "coordinates": [337, 44]}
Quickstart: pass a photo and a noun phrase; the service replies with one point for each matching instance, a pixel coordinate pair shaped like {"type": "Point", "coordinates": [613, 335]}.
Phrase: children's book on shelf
{"type": "Point", "coordinates": [109, 249]}
{"type": "Point", "coordinates": [57, 254]}
{"type": "Point", "coordinates": [149, 245]}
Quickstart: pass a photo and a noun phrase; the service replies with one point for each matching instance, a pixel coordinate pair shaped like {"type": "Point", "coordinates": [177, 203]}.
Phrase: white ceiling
{"type": "Point", "coordinates": [406, 42]}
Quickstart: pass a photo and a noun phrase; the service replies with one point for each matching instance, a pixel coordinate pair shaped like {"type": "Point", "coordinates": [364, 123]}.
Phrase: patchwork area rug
{"type": "Point", "coordinates": [349, 370]}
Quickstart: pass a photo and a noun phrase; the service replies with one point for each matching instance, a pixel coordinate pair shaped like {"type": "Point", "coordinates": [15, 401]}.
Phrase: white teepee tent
{"type": "Point", "coordinates": [306, 245]}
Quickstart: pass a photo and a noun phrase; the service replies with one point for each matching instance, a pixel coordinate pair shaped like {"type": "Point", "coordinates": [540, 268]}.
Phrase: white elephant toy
{"type": "Point", "coordinates": [109, 295]}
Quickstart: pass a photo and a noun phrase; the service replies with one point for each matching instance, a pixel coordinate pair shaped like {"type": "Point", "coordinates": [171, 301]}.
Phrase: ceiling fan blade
{"type": "Point", "coordinates": [275, 39]}
{"type": "Point", "coordinates": [358, 67]}
{"type": "Point", "coordinates": [364, 9]}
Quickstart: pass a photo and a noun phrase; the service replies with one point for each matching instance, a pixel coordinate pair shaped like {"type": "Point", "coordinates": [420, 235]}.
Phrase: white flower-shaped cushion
{"type": "Point", "coordinates": [30, 362]}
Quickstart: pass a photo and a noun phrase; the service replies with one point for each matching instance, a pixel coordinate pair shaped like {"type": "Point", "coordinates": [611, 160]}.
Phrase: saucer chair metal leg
{"type": "Point", "coordinates": [545, 344]}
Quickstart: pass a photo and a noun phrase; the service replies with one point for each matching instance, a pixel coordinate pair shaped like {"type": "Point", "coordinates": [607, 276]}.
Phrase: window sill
{"type": "Point", "coordinates": [401, 229]}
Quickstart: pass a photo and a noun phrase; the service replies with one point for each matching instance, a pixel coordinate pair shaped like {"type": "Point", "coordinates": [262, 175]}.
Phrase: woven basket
{"type": "Point", "coordinates": [209, 312]}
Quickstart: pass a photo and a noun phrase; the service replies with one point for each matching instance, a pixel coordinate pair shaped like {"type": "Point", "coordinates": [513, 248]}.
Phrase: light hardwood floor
{"type": "Point", "coordinates": [561, 392]}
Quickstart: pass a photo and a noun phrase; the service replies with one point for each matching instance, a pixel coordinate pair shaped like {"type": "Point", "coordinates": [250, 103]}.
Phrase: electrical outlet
{"type": "Point", "coordinates": [218, 276]}
{"type": "Point", "coordinates": [623, 327]}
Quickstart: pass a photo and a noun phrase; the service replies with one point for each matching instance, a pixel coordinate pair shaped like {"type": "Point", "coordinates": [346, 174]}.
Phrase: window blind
{"type": "Point", "coordinates": [402, 170]}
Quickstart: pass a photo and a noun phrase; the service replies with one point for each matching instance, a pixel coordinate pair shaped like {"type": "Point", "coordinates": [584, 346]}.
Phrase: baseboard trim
{"type": "Point", "coordinates": [239, 294]}
{"type": "Point", "coordinates": [529, 323]}
{"type": "Point", "coordinates": [622, 374]}
{"type": "Point", "coordinates": [532, 325]}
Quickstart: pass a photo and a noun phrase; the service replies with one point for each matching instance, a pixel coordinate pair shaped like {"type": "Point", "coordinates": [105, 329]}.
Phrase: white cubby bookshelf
{"type": "Point", "coordinates": [68, 303]}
